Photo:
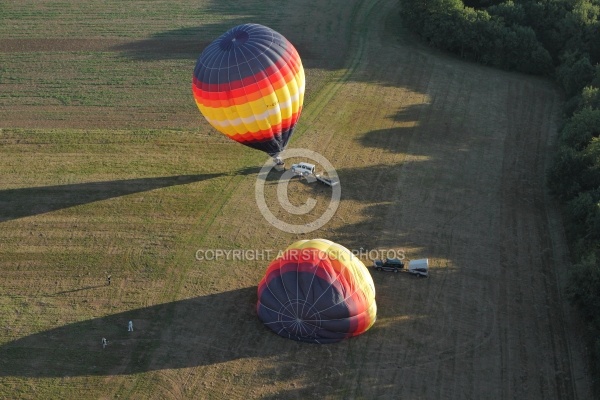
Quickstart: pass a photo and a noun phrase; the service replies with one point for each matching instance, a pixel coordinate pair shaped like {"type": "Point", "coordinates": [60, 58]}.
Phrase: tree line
{"type": "Point", "coordinates": [559, 39]}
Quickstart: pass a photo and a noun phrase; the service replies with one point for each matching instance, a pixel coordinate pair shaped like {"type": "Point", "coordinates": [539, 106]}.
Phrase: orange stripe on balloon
{"type": "Point", "coordinates": [256, 83]}
{"type": "Point", "coordinates": [266, 134]}
{"type": "Point", "coordinates": [274, 69]}
{"type": "Point", "coordinates": [253, 92]}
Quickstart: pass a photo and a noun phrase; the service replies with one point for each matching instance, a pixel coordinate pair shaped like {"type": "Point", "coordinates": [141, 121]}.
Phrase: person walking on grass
{"type": "Point", "coordinates": [130, 326]}
{"type": "Point", "coordinates": [104, 342]}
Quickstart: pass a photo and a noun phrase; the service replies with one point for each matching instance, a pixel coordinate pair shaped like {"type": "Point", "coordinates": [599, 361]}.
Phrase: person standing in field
{"type": "Point", "coordinates": [130, 326]}
{"type": "Point", "coordinates": [104, 342]}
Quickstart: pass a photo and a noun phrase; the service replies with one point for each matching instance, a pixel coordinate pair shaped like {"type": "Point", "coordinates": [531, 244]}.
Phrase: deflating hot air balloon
{"type": "Point", "coordinates": [249, 85]}
{"type": "Point", "coordinates": [317, 291]}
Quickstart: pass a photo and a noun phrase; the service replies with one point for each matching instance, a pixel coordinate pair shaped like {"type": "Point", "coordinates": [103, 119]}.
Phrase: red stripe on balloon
{"type": "Point", "coordinates": [247, 89]}
{"type": "Point", "coordinates": [252, 92]}
{"type": "Point", "coordinates": [303, 260]}
{"type": "Point", "coordinates": [282, 63]}
{"type": "Point", "coordinates": [316, 262]}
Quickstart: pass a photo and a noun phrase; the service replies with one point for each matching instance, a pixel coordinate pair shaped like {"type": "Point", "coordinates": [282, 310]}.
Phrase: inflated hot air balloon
{"type": "Point", "coordinates": [249, 85]}
{"type": "Point", "coordinates": [317, 291]}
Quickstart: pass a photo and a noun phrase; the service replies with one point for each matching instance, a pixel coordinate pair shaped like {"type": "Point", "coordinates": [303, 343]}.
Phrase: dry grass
{"type": "Point", "coordinates": [108, 168]}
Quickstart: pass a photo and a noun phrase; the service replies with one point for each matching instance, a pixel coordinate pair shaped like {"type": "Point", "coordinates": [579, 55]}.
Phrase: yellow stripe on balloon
{"type": "Point", "coordinates": [289, 91]}
{"type": "Point", "coordinates": [256, 115]}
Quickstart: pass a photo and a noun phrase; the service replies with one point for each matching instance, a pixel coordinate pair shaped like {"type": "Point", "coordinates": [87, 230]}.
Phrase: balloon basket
{"type": "Point", "coordinates": [280, 167]}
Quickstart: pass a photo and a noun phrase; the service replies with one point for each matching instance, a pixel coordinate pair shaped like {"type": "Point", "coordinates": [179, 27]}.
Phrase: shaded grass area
{"type": "Point", "coordinates": [137, 203]}
{"type": "Point", "coordinates": [76, 348]}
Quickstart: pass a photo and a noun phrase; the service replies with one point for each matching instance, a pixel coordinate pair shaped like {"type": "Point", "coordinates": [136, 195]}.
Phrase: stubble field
{"type": "Point", "coordinates": [107, 167]}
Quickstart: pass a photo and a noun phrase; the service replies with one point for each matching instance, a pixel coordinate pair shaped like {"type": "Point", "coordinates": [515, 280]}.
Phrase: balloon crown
{"type": "Point", "coordinates": [233, 38]}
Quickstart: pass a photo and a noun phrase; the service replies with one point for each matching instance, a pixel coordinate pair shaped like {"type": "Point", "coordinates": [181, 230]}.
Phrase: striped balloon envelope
{"type": "Point", "coordinates": [317, 291]}
{"type": "Point", "coordinates": [249, 85]}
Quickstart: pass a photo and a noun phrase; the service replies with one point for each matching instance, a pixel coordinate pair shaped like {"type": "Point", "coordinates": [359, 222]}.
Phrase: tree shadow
{"type": "Point", "coordinates": [25, 202]}
{"type": "Point", "coordinates": [396, 139]}
{"type": "Point", "coordinates": [374, 229]}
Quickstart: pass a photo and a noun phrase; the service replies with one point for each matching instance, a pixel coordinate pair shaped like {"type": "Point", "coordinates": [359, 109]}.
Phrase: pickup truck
{"type": "Point", "coordinates": [306, 170]}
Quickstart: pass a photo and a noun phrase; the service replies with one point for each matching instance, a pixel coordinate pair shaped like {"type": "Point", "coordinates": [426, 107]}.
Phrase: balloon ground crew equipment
{"type": "Point", "coordinates": [419, 268]}
{"type": "Point", "coordinates": [307, 171]}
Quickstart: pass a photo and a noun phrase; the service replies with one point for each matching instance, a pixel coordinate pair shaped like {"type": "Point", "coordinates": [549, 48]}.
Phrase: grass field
{"type": "Point", "coordinates": [107, 167]}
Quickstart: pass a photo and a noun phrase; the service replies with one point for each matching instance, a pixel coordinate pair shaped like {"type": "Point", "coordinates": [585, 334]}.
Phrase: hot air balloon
{"type": "Point", "coordinates": [249, 85]}
{"type": "Point", "coordinates": [317, 291]}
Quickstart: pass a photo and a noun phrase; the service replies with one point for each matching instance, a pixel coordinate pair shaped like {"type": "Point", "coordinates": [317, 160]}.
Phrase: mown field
{"type": "Point", "coordinates": [107, 167]}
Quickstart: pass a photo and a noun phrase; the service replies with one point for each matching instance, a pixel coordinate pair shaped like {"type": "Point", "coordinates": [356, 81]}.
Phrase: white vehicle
{"type": "Point", "coordinates": [303, 169]}
{"type": "Point", "coordinates": [419, 267]}
{"type": "Point", "coordinates": [306, 170]}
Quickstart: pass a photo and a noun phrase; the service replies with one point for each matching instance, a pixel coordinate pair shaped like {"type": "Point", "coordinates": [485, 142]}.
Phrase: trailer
{"type": "Point", "coordinates": [419, 267]}
{"type": "Point", "coordinates": [325, 180]}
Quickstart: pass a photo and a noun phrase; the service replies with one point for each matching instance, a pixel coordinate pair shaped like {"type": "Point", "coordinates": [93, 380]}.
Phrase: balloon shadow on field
{"type": "Point", "coordinates": [184, 43]}
{"type": "Point", "coordinates": [180, 43]}
{"type": "Point", "coordinates": [186, 333]}
{"type": "Point", "coordinates": [25, 202]}
{"type": "Point", "coordinates": [190, 42]}
{"type": "Point", "coordinates": [200, 331]}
